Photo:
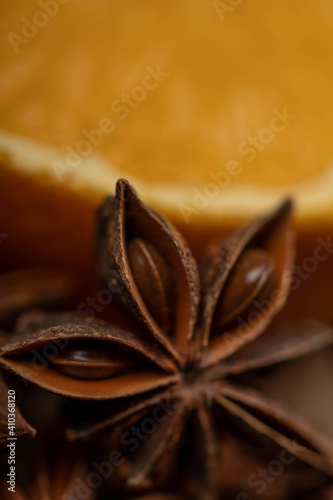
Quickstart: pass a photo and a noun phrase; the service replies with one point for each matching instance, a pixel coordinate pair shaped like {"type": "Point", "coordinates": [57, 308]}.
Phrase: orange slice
{"type": "Point", "coordinates": [213, 110]}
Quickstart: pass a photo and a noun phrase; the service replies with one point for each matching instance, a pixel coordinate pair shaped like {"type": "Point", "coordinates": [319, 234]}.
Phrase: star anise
{"type": "Point", "coordinates": [20, 290]}
{"type": "Point", "coordinates": [182, 365]}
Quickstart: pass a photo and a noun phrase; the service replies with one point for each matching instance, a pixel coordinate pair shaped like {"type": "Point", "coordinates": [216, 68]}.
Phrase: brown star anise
{"type": "Point", "coordinates": [179, 372]}
{"type": "Point", "coordinates": [20, 290]}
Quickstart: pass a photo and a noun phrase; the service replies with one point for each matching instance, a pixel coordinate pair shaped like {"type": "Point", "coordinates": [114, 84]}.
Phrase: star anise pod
{"type": "Point", "coordinates": [20, 290]}
{"type": "Point", "coordinates": [15, 296]}
{"type": "Point", "coordinates": [194, 335]}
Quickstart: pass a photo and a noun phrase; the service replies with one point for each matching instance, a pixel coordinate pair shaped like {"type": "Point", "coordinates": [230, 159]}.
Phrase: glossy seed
{"type": "Point", "coordinates": [153, 278]}
{"type": "Point", "coordinates": [252, 272]}
{"type": "Point", "coordinates": [86, 361]}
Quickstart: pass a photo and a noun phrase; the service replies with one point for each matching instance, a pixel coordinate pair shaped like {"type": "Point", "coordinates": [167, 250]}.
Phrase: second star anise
{"type": "Point", "coordinates": [192, 333]}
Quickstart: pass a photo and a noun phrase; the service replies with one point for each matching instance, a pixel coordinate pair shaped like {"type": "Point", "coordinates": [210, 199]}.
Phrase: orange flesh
{"type": "Point", "coordinates": [225, 77]}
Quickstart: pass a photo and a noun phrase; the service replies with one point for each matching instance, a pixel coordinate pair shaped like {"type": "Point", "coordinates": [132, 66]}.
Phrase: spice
{"type": "Point", "coordinates": [193, 331]}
